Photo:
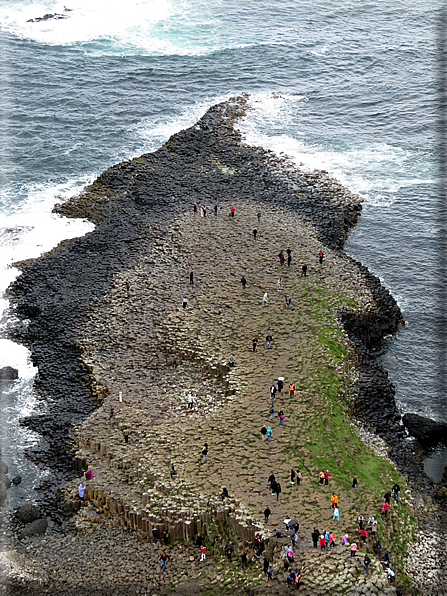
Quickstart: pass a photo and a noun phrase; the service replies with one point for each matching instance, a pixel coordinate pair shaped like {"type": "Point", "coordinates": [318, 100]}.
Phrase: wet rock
{"type": "Point", "coordinates": [16, 480]}
{"type": "Point", "coordinates": [3, 468]}
{"type": "Point", "coordinates": [425, 430]}
{"type": "Point", "coordinates": [36, 528]}
{"type": "Point", "coordinates": [5, 480]}
{"type": "Point", "coordinates": [2, 493]}
{"type": "Point", "coordinates": [7, 373]}
{"type": "Point", "coordinates": [28, 513]}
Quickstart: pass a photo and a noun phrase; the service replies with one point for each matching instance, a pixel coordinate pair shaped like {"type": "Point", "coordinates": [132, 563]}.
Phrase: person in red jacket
{"type": "Point", "coordinates": [326, 478]}
{"type": "Point", "coordinates": [232, 210]}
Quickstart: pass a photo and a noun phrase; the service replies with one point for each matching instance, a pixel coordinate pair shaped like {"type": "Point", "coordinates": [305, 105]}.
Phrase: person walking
{"type": "Point", "coordinates": [326, 478]}
{"type": "Point", "coordinates": [277, 490]}
{"type": "Point", "coordinates": [396, 490]}
{"type": "Point", "coordinates": [126, 434]}
{"type": "Point", "coordinates": [81, 492]}
{"type": "Point", "coordinates": [385, 508]}
{"type": "Point", "coordinates": [387, 497]}
{"type": "Point", "coordinates": [266, 565]}
{"type": "Point", "coordinates": [191, 401]}
{"type": "Point", "coordinates": [366, 562]}
{"type": "Point", "coordinates": [232, 210]}
{"type": "Point", "coordinates": [185, 302]}
{"type": "Point", "coordinates": [292, 476]}
{"type": "Point", "coordinates": [255, 343]}
{"type": "Point", "coordinates": [315, 535]}
{"type": "Point", "coordinates": [243, 282]}
{"type": "Point", "coordinates": [291, 389]}
{"type": "Point", "coordinates": [264, 433]}
{"type": "Point", "coordinates": [215, 210]}
{"type": "Point", "coordinates": [271, 411]}
{"type": "Point", "coordinates": [288, 301]}
{"type": "Point", "coordinates": [304, 271]}
{"type": "Point", "coordinates": [273, 392]}
{"type": "Point", "coordinates": [320, 257]}
{"type": "Point", "coordinates": [344, 540]}
{"type": "Point", "coordinates": [203, 551]}
{"type": "Point", "coordinates": [127, 286]}
{"type": "Point", "coordinates": [191, 278]}
{"type": "Point", "coordinates": [155, 535]}
{"type": "Point", "coordinates": [289, 256]}
{"type": "Point", "coordinates": [334, 500]}
{"type": "Point", "coordinates": [259, 216]}
{"type": "Point", "coordinates": [353, 549]}
{"type": "Point", "coordinates": [244, 560]}
{"type": "Point", "coordinates": [322, 542]}
{"type": "Point", "coordinates": [265, 299]}
{"type": "Point", "coordinates": [111, 412]}
{"type": "Point", "coordinates": [279, 284]}
{"type": "Point", "coordinates": [281, 258]}
{"type": "Point", "coordinates": [298, 477]}
{"type": "Point", "coordinates": [163, 559]}
{"type": "Point", "coordinates": [267, 513]}
{"type": "Point", "coordinates": [204, 210]}
{"type": "Point", "coordinates": [354, 483]}
{"type": "Point", "coordinates": [281, 417]}
{"type": "Point", "coordinates": [205, 452]}
{"type": "Point", "coordinates": [255, 233]}
{"type": "Point", "coordinates": [360, 521]}
{"type": "Point", "coordinates": [280, 384]}
{"type": "Point", "coordinates": [166, 537]}
{"type": "Point", "coordinates": [268, 340]}
{"type": "Point", "coordinates": [336, 514]}
{"type": "Point", "coordinates": [231, 360]}
{"type": "Point", "coordinates": [269, 434]}
{"type": "Point", "coordinates": [363, 535]}
{"type": "Point", "coordinates": [228, 550]}
{"type": "Point", "coordinates": [195, 208]}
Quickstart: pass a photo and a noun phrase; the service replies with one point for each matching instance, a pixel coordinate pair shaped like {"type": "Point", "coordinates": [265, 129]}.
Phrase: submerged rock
{"type": "Point", "coordinates": [425, 430]}
{"type": "Point", "coordinates": [7, 373]}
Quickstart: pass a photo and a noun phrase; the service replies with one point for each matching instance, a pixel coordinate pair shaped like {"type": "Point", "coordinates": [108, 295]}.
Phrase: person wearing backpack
{"type": "Point", "coordinates": [366, 562]}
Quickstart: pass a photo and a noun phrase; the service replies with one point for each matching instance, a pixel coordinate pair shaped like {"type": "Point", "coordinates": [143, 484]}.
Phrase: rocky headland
{"type": "Point", "coordinates": [99, 342]}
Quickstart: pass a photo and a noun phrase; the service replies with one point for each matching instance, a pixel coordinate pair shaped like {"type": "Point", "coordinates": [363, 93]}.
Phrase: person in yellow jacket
{"type": "Point", "coordinates": [334, 500]}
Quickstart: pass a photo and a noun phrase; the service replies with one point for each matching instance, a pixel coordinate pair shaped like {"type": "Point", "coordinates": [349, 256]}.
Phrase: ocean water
{"type": "Point", "coordinates": [349, 87]}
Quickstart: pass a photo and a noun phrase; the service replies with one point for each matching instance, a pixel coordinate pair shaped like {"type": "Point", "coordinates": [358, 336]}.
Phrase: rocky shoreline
{"type": "Point", "coordinates": [139, 209]}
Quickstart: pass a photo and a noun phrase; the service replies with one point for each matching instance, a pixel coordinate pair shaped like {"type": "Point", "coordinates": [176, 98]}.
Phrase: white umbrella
{"type": "Point", "coordinates": [281, 379]}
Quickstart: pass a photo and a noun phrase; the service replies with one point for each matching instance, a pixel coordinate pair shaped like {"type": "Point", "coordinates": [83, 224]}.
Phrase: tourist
{"type": "Point", "coordinates": [255, 233]}
{"type": "Point", "coordinates": [264, 433]}
{"type": "Point", "coordinates": [304, 271]}
{"type": "Point", "coordinates": [280, 385]}
{"type": "Point", "coordinates": [281, 417]}
{"type": "Point", "coordinates": [205, 452]}
{"type": "Point", "coordinates": [363, 534]}
{"type": "Point", "coordinates": [199, 540]}
{"type": "Point", "coordinates": [191, 401]}
{"type": "Point", "coordinates": [271, 411]}
{"type": "Point", "coordinates": [279, 284]}
{"type": "Point", "coordinates": [387, 497]}
{"type": "Point", "coordinates": [360, 521]}
{"type": "Point", "coordinates": [334, 500]}
{"type": "Point", "coordinates": [331, 540]}
{"type": "Point", "coordinates": [272, 391]}
{"type": "Point", "coordinates": [298, 477]}
{"type": "Point", "coordinates": [111, 412]}
{"type": "Point", "coordinates": [265, 299]}
{"type": "Point", "coordinates": [344, 539]}
{"type": "Point", "coordinates": [155, 535]}
{"type": "Point", "coordinates": [396, 490]}
{"type": "Point", "coordinates": [371, 521]}
{"type": "Point", "coordinates": [195, 208]}
{"type": "Point", "coordinates": [281, 258]}
{"type": "Point", "coordinates": [231, 360]}
{"type": "Point", "coordinates": [399, 592]}
{"type": "Point", "coordinates": [336, 514]}
{"type": "Point", "coordinates": [277, 490]}
{"type": "Point", "coordinates": [126, 435]}
{"type": "Point", "coordinates": [321, 477]}
{"type": "Point", "coordinates": [269, 434]}
{"type": "Point", "coordinates": [88, 474]}
{"type": "Point", "coordinates": [228, 550]}
{"type": "Point", "coordinates": [289, 257]}
{"type": "Point", "coordinates": [267, 513]}
{"type": "Point", "coordinates": [204, 210]}
{"type": "Point", "coordinates": [191, 279]}
{"type": "Point", "coordinates": [163, 559]}
{"type": "Point", "coordinates": [224, 494]}
{"type": "Point", "coordinates": [326, 478]}
{"type": "Point", "coordinates": [203, 551]}
{"type": "Point", "coordinates": [215, 210]}
{"type": "Point", "coordinates": [385, 508]}
{"type": "Point", "coordinates": [166, 537]}
{"type": "Point", "coordinates": [292, 476]}
{"type": "Point", "coordinates": [259, 216]}
{"type": "Point", "coordinates": [374, 528]}
{"type": "Point", "coordinates": [81, 492]}
{"type": "Point", "coordinates": [288, 301]}
{"type": "Point", "coordinates": [322, 542]}
{"type": "Point", "coordinates": [291, 389]}
{"type": "Point", "coordinates": [366, 562]}
{"type": "Point", "coordinates": [268, 340]}
{"type": "Point", "coordinates": [326, 538]}
{"type": "Point", "coordinates": [173, 472]}
{"type": "Point", "coordinates": [271, 480]}
{"type": "Point", "coordinates": [354, 482]}
{"type": "Point", "coordinates": [320, 256]}
{"type": "Point", "coordinates": [266, 565]}
{"type": "Point", "coordinates": [270, 572]}
{"type": "Point", "coordinates": [185, 302]}
{"type": "Point", "coordinates": [353, 549]}
{"type": "Point", "coordinates": [243, 282]}
{"type": "Point", "coordinates": [391, 575]}
{"type": "Point", "coordinates": [291, 578]}
{"type": "Point", "coordinates": [232, 210]}
{"type": "Point", "coordinates": [255, 343]}
{"type": "Point", "coordinates": [127, 286]}
{"type": "Point", "coordinates": [315, 535]}
{"type": "Point", "coordinates": [244, 560]}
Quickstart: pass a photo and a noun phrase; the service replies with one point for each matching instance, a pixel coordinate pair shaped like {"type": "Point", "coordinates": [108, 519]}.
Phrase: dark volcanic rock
{"type": "Point", "coordinates": [16, 480]}
{"type": "Point", "coordinates": [28, 513]}
{"type": "Point", "coordinates": [7, 373]}
{"type": "Point", "coordinates": [36, 528]}
{"type": "Point", "coordinates": [426, 431]}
